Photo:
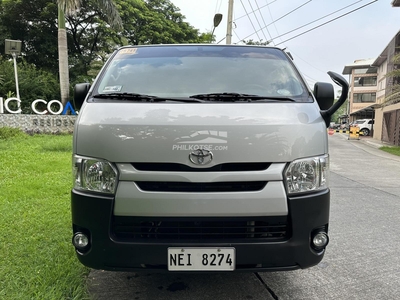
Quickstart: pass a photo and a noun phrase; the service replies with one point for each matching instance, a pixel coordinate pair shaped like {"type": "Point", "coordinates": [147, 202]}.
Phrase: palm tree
{"type": "Point", "coordinates": [68, 7]}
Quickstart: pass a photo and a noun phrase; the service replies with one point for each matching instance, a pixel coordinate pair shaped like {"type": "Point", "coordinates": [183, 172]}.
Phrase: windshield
{"type": "Point", "coordinates": [183, 71]}
{"type": "Point", "coordinates": [359, 121]}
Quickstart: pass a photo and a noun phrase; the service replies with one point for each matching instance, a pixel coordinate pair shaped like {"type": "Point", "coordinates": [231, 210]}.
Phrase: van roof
{"type": "Point", "coordinates": [197, 45]}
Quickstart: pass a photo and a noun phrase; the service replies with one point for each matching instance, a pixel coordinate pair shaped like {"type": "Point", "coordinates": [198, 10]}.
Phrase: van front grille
{"type": "Point", "coordinates": [200, 229]}
{"type": "Point", "coordinates": [204, 187]}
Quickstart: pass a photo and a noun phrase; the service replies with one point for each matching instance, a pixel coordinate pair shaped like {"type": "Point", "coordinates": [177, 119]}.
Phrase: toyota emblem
{"type": "Point", "coordinates": [201, 157]}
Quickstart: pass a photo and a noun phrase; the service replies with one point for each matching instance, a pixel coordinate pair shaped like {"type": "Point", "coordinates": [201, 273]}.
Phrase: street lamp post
{"type": "Point", "coordinates": [217, 21]}
{"type": "Point", "coordinates": [13, 47]}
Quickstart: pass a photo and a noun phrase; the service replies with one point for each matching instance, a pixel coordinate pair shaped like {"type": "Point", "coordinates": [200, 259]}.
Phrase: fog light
{"type": "Point", "coordinates": [80, 240]}
{"type": "Point", "coordinates": [320, 240]}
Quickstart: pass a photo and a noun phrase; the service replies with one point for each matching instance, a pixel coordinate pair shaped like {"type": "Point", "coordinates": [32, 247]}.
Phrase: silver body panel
{"type": "Point", "coordinates": [131, 201]}
{"type": "Point", "coordinates": [126, 133]}
{"type": "Point", "coordinates": [141, 132]}
{"type": "Point", "coordinates": [129, 173]}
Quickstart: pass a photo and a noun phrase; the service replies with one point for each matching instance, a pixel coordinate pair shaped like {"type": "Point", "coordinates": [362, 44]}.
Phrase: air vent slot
{"type": "Point", "coordinates": [201, 187]}
{"type": "Point", "coordinates": [200, 229]}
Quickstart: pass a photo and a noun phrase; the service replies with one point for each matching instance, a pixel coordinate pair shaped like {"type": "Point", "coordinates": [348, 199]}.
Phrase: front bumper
{"type": "Point", "coordinates": [93, 215]}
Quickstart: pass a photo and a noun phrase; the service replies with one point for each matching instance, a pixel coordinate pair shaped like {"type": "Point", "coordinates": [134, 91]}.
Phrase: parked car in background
{"type": "Point", "coordinates": [333, 125]}
{"type": "Point", "coordinates": [365, 125]}
{"type": "Point", "coordinates": [344, 125]}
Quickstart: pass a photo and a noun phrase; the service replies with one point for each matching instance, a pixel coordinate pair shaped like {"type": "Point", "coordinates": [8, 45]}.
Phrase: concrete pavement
{"type": "Point", "coordinates": [362, 260]}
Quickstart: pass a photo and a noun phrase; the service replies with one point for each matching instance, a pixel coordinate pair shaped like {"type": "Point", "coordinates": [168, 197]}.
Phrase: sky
{"type": "Point", "coordinates": [362, 34]}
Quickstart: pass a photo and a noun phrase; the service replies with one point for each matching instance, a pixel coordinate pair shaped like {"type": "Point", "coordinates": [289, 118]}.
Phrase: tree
{"type": "Point", "coordinates": [256, 43]}
{"type": "Point", "coordinates": [1, 79]}
{"type": "Point", "coordinates": [155, 22]}
{"type": "Point", "coordinates": [34, 83]}
{"type": "Point", "coordinates": [34, 23]}
{"type": "Point", "coordinates": [69, 7]}
{"type": "Point", "coordinates": [342, 111]}
{"type": "Point", "coordinates": [90, 37]}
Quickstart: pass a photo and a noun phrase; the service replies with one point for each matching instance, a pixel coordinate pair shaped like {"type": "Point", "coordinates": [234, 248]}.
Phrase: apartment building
{"type": "Point", "coordinates": [363, 81]}
{"type": "Point", "coordinates": [370, 89]}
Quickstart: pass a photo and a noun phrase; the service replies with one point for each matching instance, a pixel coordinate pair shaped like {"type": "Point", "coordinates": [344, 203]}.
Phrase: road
{"type": "Point", "coordinates": [362, 260]}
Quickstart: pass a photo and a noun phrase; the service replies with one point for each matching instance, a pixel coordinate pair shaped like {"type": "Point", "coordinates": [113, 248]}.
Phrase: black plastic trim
{"type": "Point", "coordinates": [94, 214]}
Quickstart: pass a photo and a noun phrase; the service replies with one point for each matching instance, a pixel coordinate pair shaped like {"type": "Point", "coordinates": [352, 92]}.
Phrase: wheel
{"type": "Point", "coordinates": [365, 131]}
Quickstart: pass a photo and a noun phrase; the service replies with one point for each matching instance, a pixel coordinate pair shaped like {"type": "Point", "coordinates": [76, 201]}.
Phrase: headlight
{"type": "Point", "coordinates": [307, 175]}
{"type": "Point", "coordinates": [91, 174]}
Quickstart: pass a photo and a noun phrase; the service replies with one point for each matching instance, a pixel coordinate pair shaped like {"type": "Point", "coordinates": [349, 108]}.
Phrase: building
{"type": "Point", "coordinates": [387, 116]}
{"type": "Point", "coordinates": [369, 92]}
{"type": "Point", "coordinates": [363, 87]}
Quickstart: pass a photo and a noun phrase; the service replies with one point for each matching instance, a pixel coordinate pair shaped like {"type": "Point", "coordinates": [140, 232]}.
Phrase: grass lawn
{"type": "Point", "coordinates": [392, 150]}
{"type": "Point", "coordinates": [37, 259]}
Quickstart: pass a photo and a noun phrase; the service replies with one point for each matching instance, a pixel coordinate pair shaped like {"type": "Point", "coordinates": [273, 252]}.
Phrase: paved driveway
{"type": "Point", "coordinates": [361, 262]}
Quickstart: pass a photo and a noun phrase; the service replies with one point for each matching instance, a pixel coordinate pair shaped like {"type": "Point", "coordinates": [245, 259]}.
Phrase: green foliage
{"type": "Point", "coordinates": [34, 22]}
{"type": "Point", "coordinates": [70, 7]}
{"type": "Point", "coordinates": [256, 43]}
{"type": "Point", "coordinates": [37, 258]}
{"type": "Point", "coordinates": [161, 22]}
{"type": "Point", "coordinates": [90, 37]}
{"type": "Point", "coordinates": [33, 83]}
{"type": "Point", "coordinates": [394, 97]}
{"type": "Point", "coordinates": [391, 150]}
{"type": "Point", "coordinates": [396, 71]}
{"type": "Point", "coordinates": [58, 145]}
{"type": "Point", "coordinates": [394, 75]}
{"type": "Point", "coordinates": [340, 112]}
{"type": "Point", "coordinates": [8, 132]}
{"type": "Point", "coordinates": [144, 22]}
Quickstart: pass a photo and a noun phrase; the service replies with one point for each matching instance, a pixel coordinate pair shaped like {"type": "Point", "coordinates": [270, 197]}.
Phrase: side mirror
{"type": "Point", "coordinates": [324, 94]}
{"type": "Point", "coordinates": [80, 92]}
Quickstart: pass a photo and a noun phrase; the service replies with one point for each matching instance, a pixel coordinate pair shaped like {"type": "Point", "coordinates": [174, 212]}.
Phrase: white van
{"type": "Point", "coordinates": [201, 158]}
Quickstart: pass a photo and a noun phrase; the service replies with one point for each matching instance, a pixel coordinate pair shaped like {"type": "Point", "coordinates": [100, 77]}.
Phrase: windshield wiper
{"type": "Point", "coordinates": [142, 97]}
{"type": "Point", "coordinates": [125, 96]}
{"type": "Point", "coordinates": [214, 97]}
{"type": "Point", "coordinates": [237, 97]}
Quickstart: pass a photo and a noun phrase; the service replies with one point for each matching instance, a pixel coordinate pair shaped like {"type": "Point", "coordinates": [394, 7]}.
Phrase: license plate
{"type": "Point", "coordinates": [201, 259]}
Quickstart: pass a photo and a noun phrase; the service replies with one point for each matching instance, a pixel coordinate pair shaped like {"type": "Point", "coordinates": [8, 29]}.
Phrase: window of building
{"type": "Point", "coordinates": [365, 81]}
{"type": "Point", "coordinates": [364, 97]}
{"type": "Point", "coordinates": [366, 71]}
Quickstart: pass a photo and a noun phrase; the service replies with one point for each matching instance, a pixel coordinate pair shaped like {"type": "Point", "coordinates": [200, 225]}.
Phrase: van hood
{"type": "Point", "coordinates": [170, 132]}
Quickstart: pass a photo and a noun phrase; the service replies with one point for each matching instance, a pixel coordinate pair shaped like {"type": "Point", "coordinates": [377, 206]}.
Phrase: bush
{"type": "Point", "coordinates": [8, 132]}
